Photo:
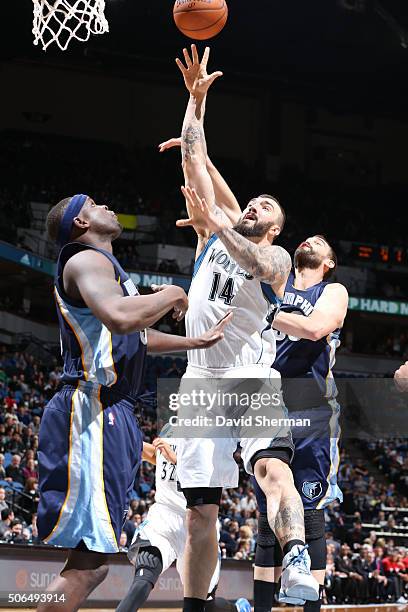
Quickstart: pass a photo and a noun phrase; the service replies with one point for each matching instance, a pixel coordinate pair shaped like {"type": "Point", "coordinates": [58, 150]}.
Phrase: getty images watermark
{"type": "Point", "coordinates": [201, 410]}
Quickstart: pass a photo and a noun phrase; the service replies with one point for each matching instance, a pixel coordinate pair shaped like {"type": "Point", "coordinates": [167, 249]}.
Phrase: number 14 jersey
{"type": "Point", "coordinates": [220, 285]}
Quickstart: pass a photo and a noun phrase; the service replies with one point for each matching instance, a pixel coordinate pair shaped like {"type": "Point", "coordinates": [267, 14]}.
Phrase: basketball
{"type": "Point", "coordinates": [200, 19]}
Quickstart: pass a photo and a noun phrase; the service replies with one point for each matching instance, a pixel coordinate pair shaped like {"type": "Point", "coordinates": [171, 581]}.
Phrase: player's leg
{"type": "Point", "coordinates": [201, 550]}
{"type": "Point", "coordinates": [81, 469]}
{"type": "Point", "coordinates": [314, 467]}
{"type": "Point", "coordinates": [148, 567]}
{"type": "Point", "coordinates": [270, 465]}
{"type": "Point", "coordinates": [83, 572]}
{"type": "Point", "coordinates": [268, 558]}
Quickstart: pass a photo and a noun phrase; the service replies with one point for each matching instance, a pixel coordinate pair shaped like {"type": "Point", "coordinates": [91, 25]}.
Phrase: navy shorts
{"type": "Point", "coordinates": [316, 459]}
{"type": "Point", "coordinates": [90, 449]}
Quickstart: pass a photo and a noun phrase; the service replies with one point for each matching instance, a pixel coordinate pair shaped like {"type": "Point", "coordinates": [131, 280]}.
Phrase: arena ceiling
{"type": "Point", "coordinates": [353, 47]}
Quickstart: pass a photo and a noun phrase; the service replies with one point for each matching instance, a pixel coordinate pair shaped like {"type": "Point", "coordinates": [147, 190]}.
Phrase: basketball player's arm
{"type": "Point", "coordinates": [159, 342]}
{"type": "Point", "coordinates": [401, 377]}
{"type": "Point", "coordinates": [224, 195]}
{"type": "Point", "coordinates": [90, 276]}
{"type": "Point", "coordinates": [329, 313]}
{"type": "Point", "coordinates": [149, 453]}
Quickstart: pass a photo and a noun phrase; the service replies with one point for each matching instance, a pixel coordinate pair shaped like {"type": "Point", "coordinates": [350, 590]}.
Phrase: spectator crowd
{"type": "Point", "coordinates": [367, 536]}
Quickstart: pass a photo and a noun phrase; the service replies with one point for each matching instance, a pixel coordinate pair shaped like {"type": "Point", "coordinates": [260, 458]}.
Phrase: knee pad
{"type": "Point", "coordinates": [315, 537]}
{"type": "Point", "coordinates": [149, 564]}
{"type": "Point", "coordinates": [268, 552]}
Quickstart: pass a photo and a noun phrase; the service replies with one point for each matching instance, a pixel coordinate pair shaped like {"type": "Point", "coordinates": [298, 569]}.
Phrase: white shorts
{"type": "Point", "coordinates": [209, 462]}
{"type": "Point", "coordinates": [167, 531]}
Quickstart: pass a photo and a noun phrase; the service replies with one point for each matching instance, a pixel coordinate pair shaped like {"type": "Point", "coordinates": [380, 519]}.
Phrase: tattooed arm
{"type": "Point", "coordinates": [270, 264]}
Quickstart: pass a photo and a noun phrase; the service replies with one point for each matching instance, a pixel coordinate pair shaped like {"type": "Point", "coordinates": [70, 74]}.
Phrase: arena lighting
{"type": "Point", "coordinates": [392, 23]}
{"type": "Point", "coordinates": [358, 6]}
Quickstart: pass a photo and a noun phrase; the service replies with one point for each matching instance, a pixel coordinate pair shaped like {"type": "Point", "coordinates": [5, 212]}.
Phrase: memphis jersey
{"type": "Point", "coordinates": [220, 285]}
{"type": "Point", "coordinates": [166, 483]}
{"type": "Point", "coordinates": [91, 353]}
{"type": "Point", "coordinates": [298, 357]}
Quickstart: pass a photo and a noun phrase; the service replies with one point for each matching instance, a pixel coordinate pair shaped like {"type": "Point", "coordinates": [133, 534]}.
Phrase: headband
{"type": "Point", "coordinates": [72, 210]}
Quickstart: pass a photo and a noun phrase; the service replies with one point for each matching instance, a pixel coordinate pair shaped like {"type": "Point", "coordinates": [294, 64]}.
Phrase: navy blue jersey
{"type": "Point", "coordinates": [90, 351]}
{"type": "Point", "coordinates": [301, 358]}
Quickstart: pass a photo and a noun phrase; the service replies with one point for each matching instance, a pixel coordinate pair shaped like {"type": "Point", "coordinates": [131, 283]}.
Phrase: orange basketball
{"type": "Point", "coordinates": [200, 19]}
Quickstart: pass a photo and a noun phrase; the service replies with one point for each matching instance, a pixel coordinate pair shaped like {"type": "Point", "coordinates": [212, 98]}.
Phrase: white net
{"type": "Point", "coordinates": [60, 21]}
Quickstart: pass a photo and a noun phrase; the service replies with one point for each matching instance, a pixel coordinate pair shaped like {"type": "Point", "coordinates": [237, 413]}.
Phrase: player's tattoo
{"type": "Point", "coordinates": [288, 523]}
{"type": "Point", "coordinates": [190, 136]}
{"type": "Point", "coordinates": [270, 264]}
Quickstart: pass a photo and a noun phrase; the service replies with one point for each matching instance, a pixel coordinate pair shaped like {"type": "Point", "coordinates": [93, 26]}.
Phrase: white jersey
{"type": "Point", "coordinates": [166, 483]}
{"type": "Point", "coordinates": [220, 285]}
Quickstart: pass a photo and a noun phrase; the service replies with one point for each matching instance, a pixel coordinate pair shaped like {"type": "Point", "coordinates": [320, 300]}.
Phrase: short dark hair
{"type": "Point", "coordinates": [5, 513]}
{"type": "Point", "coordinates": [332, 256]}
{"type": "Point", "coordinates": [54, 218]}
{"type": "Point", "coordinates": [282, 216]}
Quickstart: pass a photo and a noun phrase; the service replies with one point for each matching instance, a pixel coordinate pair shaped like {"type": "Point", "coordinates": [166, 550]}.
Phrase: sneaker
{"type": "Point", "coordinates": [243, 605]}
{"type": "Point", "coordinates": [402, 600]}
{"type": "Point", "coordinates": [297, 583]}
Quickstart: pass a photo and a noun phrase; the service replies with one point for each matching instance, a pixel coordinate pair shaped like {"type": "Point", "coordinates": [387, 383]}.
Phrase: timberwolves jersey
{"type": "Point", "coordinates": [219, 286]}
{"type": "Point", "coordinates": [297, 357]}
{"type": "Point", "coordinates": [166, 483]}
{"type": "Point", "coordinates": [91, 353]}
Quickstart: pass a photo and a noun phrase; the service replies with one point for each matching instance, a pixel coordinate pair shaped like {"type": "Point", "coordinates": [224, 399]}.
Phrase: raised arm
{"type": "Point", "coordinates": [90, 276]}
{"type": "Point", "coordinates": [224, 196]}
{"type": "Point", "coordinates": [329, 313]}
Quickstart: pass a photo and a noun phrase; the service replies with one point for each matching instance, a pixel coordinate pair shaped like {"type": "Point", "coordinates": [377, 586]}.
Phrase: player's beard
{"type": "Point", "coordinates": [307, 259]}
{"type": "Point", "coordinates": [257, 230]}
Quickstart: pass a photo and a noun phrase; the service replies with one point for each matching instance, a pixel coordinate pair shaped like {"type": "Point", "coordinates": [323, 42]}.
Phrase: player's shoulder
{"type": "Point", "coordinates": [335, 289]}
{"type": "Point", "coordinates": [88, 259]}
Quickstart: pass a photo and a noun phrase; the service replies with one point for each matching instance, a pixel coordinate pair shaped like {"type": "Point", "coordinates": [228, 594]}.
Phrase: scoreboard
{"type": "Point", "coordinates": [380, 253]}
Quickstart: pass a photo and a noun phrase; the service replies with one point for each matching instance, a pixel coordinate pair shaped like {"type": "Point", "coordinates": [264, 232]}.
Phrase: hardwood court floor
{"type": "Point", "coordinates": [372, 608]}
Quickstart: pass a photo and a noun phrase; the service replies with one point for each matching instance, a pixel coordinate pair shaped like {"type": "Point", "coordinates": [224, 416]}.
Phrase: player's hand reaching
{"type": "Point", "coordinates": [215, 334]}
{"type": "Point", "coordinates": [401, 377]}
{"type": "Point", "coordinates": [181, 306]}
{"type": "Point", "coordinates": [169, 144]}
{"type": "Point", "coordinates": [201, 217]}
{"type": "Point", "coordinates": [196, 77]}
{"type": "Point", "coordinates": [165, 449]}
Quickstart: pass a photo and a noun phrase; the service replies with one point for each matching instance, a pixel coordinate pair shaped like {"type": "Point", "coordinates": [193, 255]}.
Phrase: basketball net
{"type": "Point", "coordinates": [60, 21]}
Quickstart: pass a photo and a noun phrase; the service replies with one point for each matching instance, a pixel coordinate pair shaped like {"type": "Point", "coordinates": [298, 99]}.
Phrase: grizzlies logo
{"type": "Point", "coordinates": [312, 490]}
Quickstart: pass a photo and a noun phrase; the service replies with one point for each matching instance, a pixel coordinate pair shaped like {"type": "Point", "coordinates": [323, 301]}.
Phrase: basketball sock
{"type": "Point", "coordinates": [288, 547]}
{"type": "Point", "coordinates": [264, 595]}
{"type": "Point", "coordinates": [193, 604]}
{"type": "Point", "coordinates": [219, 604]}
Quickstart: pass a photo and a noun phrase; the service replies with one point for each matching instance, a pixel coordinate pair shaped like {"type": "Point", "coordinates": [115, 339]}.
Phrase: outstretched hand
{"type": "Point", "coordinates": [169, 144]}
{"type": "Point", "coordinates": [216, 333]}
{"type": "Point", "coordinates": [196, 77]}
{"type": "Point", "coordinates": [200, 216]}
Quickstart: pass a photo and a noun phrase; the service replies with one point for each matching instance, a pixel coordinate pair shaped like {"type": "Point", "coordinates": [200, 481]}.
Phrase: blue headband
{"type": "Point", "coordinates": [72, 210]}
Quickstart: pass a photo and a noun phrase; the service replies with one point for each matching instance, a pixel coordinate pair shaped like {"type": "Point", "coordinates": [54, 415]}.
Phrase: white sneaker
{"type": "Point", "coordinates": [297, 583]}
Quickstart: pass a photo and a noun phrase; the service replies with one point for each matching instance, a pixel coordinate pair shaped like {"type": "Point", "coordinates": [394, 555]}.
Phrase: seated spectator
{"type": "Point", "coordinates": [350, 579]}
{"type": "Point", "coordinates": [3, 503]}
{"type": "Point", "coordinates": [123, 546]}
{"type": "Point", "coordinates": [393, 567]}
{"type": "Point", "coordinates": [355, 537]}
{"type": "Point", "coordinates": [7, 517]}
{"type": "Point", "coordinates": [2, 468]}
{"type": "Point", "coordinates": [13, 471]}
{"type": "Point", "coordinates": [30, 471]}
{"type": "Point", "coordinates": [30, 498]}
{"type": "Point", "coordinates": [16, 533]}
